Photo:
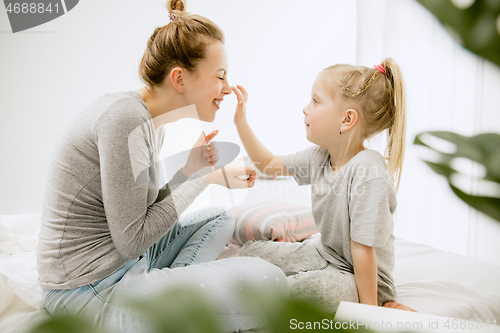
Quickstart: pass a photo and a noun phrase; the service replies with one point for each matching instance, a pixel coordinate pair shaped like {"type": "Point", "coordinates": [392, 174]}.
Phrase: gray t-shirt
{"type": "Point", "coordinates": [357, 202]}
{"type": "Point", "coordinates": [103, 202]}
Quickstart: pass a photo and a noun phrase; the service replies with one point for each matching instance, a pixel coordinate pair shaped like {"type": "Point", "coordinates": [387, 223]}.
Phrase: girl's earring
{"type": "Point", "coordinates": [341, 131]}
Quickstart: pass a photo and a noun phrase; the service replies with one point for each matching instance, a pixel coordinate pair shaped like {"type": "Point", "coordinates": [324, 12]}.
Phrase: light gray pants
{"type": "Point", "coordinates": [310, 277]}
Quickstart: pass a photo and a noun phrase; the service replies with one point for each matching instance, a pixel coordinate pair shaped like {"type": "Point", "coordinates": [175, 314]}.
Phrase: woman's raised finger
{"type": "Point", "coordinates": [210, 136]}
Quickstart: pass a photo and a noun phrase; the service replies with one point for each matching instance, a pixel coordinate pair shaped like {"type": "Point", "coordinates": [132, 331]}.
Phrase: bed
{"type": "Point", "coordinates": [436, 283]}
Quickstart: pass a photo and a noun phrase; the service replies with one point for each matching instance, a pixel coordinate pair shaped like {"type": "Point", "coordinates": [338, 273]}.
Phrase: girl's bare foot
{"type": "Point", "coordinates": [397, 305]}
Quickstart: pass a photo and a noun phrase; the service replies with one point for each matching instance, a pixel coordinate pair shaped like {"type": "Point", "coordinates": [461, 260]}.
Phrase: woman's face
{"type": "Point", "coordinates": [322, 118]}
{"type": "Point", "coordinates": [208, 85]}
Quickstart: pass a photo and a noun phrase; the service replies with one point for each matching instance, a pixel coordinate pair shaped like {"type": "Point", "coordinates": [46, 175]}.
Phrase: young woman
{"type": "Point", "coordinates": [109, 231]}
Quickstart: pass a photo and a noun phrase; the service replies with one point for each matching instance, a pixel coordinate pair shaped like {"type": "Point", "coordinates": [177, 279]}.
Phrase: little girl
{"type": "Point", "coordinates": [353, 192]}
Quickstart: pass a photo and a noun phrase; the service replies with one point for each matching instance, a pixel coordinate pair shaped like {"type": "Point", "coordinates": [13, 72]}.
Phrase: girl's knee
{"type": "Point", "coordinates": [324, 289]}
{"type": "Point", "coordinates": [259, 248]}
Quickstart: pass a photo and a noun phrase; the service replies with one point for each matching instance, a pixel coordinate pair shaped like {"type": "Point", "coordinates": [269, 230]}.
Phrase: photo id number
{"type": "Point", "coordinates": [32, 8]}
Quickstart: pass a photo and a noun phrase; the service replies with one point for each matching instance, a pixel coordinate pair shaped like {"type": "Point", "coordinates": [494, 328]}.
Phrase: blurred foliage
{"type": "Point", "coordinates": [180, 310]}
{"type": "Point", "coordinates": [478, 26]}
{"type": "Point", "coordinates": [185, 310]}
{"type": "Point", "coordinates": [65, 324]}
{"type": "Point", "coordinates": [483, 149]}
{"type": "Point", "coordinates": [278, 311]}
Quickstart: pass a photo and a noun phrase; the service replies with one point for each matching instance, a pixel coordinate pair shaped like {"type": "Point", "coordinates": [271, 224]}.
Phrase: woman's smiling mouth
{"type": "Point", "coordinates": [217, 102]}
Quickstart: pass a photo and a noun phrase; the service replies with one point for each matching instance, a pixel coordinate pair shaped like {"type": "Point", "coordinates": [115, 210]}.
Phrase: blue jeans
{"type": "Point", "coordinates": [185, 256]}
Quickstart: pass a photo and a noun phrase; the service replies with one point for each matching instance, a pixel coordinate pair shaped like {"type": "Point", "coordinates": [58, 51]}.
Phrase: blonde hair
{"type": "Point", "coordinates": [182, 42]}
{"type": "Point", "coordinates": [380, 100]}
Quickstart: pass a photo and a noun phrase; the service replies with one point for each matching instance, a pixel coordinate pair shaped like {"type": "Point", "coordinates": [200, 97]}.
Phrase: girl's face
{"type": "Point", "coordinates": [208, 85]}
{"type": "Point", "coordinates": [322, 117]}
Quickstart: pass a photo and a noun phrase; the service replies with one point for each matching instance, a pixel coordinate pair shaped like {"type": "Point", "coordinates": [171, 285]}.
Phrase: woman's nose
{"type": "Point", "coordinates": [226, 88]}
{"type": "Point", "coordinates": [304, 111]}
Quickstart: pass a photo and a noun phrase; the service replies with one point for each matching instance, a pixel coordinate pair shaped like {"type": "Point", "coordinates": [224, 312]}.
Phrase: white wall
{"type": "Point", "coordinates": [51, 72]}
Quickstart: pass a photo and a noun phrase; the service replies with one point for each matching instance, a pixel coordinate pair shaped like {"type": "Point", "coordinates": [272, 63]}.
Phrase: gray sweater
{"type": "Point", "coordinates": [103, 202]}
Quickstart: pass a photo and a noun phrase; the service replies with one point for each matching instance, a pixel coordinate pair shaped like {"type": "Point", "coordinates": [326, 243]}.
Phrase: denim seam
{"type": "Point", "coordinates": [49, 296]}
{"type": "Point", "coordinates": [203, 239]}
{"type": "Point", "coordinates": [96, 293]}
{"type": "Point", "coordinates": [166, 248]}
{"type": "Point", "coordinates": [61, 311]}
{"type": "Point", "coordinates": [195, 252]}
{"type": "Point", "coordinates": [180, 233]}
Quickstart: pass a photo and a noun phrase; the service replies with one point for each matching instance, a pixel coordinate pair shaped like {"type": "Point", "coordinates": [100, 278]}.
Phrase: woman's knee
{"type": "Point", "coordinates": [213, 215]}
{"type": "Point", "coordinates": [228, 219]}
{"type": "Point", "coordinates": [224, 224]}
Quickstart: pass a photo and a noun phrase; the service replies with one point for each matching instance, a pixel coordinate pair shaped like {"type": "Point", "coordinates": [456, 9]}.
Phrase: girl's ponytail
{"type": "Point", "coordinates": [396, 133]}
{"type": "Point", "coordinates": [378, 94]}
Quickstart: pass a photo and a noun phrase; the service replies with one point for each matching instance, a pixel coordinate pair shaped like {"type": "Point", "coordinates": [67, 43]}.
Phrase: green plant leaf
{"type": "Point", "coordinates": [180, 310]}
{"type": "Point", "coordinates": [475, 26]}
{"type": "Point", "coordinates": [483, 149]}
{"type": "Point", "coordinates": [278, 310]}
{"type": "Point", "coordinates": [441, 169]}
{"type": "Point", "coordinates": [487, 205]}
{"type": "Point", "coordinates": [283, 314]}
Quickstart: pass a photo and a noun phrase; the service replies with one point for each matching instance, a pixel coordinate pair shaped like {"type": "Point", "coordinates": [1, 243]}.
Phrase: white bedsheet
{"type": "Point", "coordinates": [20, 295]}
{"type": "Point", "coordinates": [446, 284]}
{"type": "Point", "coordinates": [18, 241]}
{"type": "Point", "coordinates": [429, 280]}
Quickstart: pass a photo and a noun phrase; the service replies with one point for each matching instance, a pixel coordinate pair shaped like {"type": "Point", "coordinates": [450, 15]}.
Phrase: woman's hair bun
{"type": "Point", "coordinates": [181, 42]}
{"type": "Point", "coordinates": [177, 5]}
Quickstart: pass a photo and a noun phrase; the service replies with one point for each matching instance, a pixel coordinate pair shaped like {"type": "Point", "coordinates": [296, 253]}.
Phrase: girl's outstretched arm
{"type": "Point", "coordinates": [263, 159]}
{"type": "Point", "coordinates": [364, 261]}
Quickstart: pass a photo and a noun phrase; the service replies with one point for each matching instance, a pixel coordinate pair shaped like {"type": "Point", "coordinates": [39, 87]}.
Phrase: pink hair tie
{"type": "Point", "coordinates": [381, 69]}
{"type": "Point", "coordinates": [172, 17]}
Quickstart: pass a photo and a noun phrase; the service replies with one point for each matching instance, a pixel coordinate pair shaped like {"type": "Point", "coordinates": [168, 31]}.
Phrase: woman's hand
{"type": "Point", "coordinates": [202, 155]}
{"type": "Point", "coordinates": [233, 177]}
{"type": "Point", "coordinates": [397, 305]}
{"type": "Point", "coordinates": [240, 116]}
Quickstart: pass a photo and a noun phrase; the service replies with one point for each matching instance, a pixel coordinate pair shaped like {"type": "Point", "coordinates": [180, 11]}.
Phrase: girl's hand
{"type": "Point", "coordinates": [229, 177]}
{"type": "Point", "coordinates": [397, 305]}
{"type": "Point", "coordinates": [240, 116]}
{"type": "Point", "coordinates": [202, 155]}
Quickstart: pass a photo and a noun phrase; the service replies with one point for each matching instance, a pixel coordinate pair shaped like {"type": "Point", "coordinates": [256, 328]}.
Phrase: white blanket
{"type": "Point", "coordinates": [18, 276]}
{"type": "Point", "coordinates": [20, 296]}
